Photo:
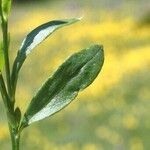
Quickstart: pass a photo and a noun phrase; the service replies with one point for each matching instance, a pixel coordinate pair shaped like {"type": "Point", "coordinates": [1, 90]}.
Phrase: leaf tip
{"type": "Point", "coordinates": [97, 47]}
{"type": "Point", "coordinates": [80, 18]}
{"type": "Point", "coordinates": [74, 20]}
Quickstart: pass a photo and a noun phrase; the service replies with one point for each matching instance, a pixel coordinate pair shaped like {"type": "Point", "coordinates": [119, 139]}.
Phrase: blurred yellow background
{"type": "Point", "coordinates": [114, 112]}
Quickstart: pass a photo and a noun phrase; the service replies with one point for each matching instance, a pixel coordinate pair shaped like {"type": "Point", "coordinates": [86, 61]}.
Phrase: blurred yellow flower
{"type": "Point", "coordinates": [130, 121]}
{"type": "Point", "coordinates": [4, 134]}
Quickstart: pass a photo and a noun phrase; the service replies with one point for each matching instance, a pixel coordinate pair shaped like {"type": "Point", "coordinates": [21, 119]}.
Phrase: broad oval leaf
{"type": "Point", "coordinates": [74, 75]}
{"type": "Point", "coordinates": [34, 38]}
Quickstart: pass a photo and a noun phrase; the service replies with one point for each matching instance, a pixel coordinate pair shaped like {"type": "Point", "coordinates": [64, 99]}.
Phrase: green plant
{"type": "Point", "coordinates": [74, 75]}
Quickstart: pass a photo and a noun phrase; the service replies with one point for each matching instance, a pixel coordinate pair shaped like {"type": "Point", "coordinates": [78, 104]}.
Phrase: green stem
{"type": "Point", "coordinates": [15, 138]}
{"type": "Point", "coordinates": [7, 93]}
{"type": "Point", "coordinates": [6, 55]}
{"type": "Point", "coordinates": [4, 25]}
{"type": "Point", "coordinates": [15, 135]}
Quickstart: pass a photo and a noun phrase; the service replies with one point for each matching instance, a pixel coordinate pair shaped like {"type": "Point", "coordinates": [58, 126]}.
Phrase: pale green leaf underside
{"type": "Point", "coordinates": [74, 75]}
{"type": "Point", "coordinates": [34, 38]}
{"type": "Point", "coordinates": [38, 35]}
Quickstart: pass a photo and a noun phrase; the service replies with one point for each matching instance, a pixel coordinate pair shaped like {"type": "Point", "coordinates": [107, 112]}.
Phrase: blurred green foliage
{"type": "Point", "coordinates": [22, 0]}
{"type": "Point", "coordinates": [145, 19]}
{"type": "Point", "coordinates": [113, 113]}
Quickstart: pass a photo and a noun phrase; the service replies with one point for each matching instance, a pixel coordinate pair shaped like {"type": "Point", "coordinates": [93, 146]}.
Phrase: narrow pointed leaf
{"type": "Point", "coordinates": [1, 57]}
{"type": "Point", "coordinates": [6, 6]}
{"type": "Point", "coordinates": [34, 38]}
{"type": "Point", "coordinates": [74, 75]}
